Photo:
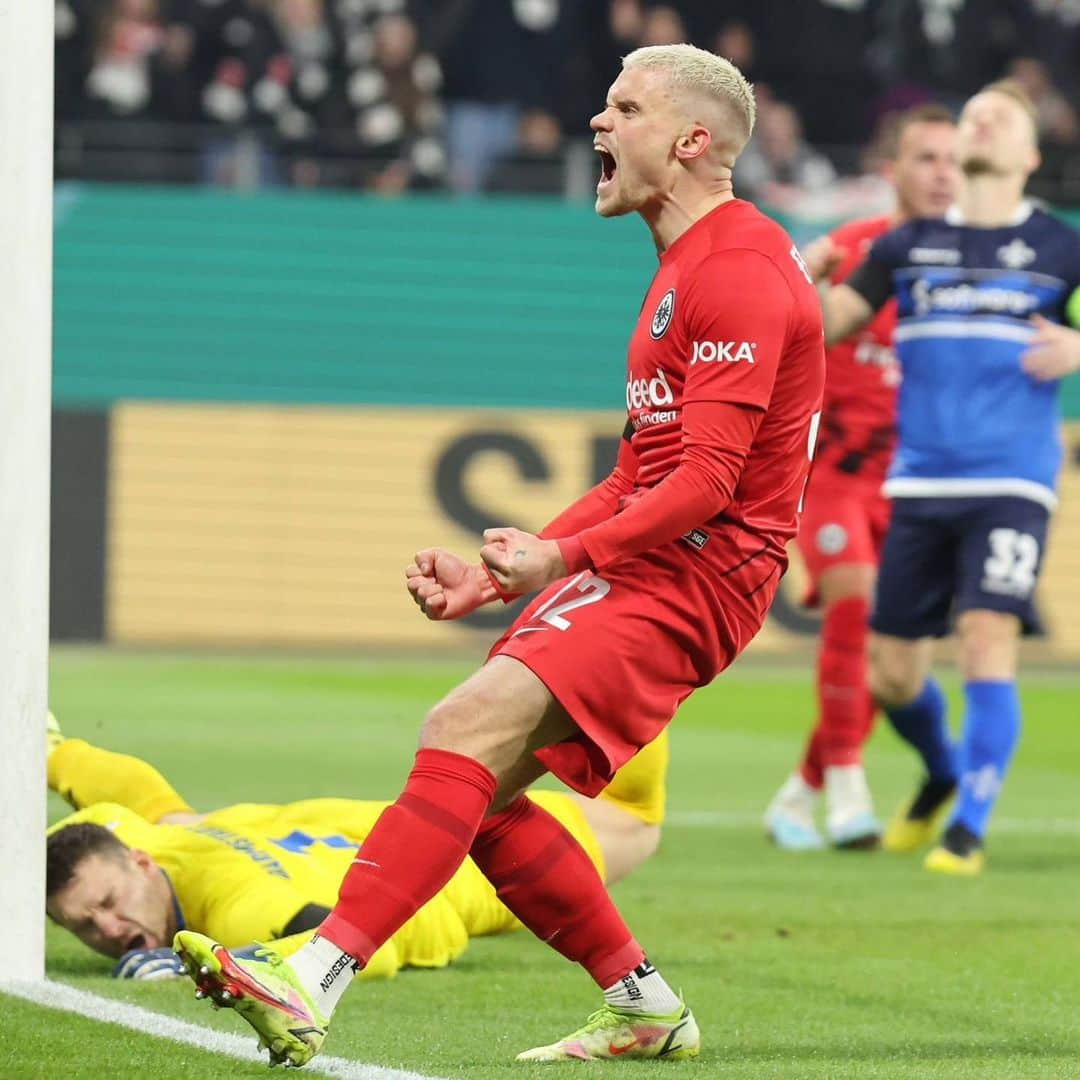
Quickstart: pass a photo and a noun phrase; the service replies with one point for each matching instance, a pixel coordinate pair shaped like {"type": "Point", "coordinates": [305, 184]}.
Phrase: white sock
{"type": "Point", "coordinates": [795, 799]}
{"type": "Point", "coordinates": [797, 792]}
{"type": "Point", "coordinates": [847, 794]}
{"type": "Point", "coordinates": [643, 990]}
{"type": "Point", "coordinates": [325, 971]}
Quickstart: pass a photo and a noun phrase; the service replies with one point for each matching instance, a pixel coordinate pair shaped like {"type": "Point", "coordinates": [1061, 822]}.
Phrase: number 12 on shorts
{"type": "Point", "coordinates": [589, 589]}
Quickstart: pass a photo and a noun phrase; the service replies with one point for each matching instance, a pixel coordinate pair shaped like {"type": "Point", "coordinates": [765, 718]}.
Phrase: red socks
{"type": "Point", "coordinates": [412, 852]}
{"type": "Point", "coordinates": [846, 711]}
{"type": "Point", "coordinates": [539, 870]}
{"type": "Point", "coordinates": [542, 874]}
{"type": "Point", "coordinates": [811, 768]}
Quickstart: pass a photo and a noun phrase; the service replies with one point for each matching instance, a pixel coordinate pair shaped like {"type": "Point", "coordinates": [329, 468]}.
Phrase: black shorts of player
{"type": "Point", "coordinates": [944, 556]}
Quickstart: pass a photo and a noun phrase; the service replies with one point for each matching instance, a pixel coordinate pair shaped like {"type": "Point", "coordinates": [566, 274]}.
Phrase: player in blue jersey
{"type": "Point", "coordinates": [984, 297]}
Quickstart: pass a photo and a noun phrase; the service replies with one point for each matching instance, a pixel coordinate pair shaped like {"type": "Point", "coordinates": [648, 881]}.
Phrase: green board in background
{"type": "Point", "coordinates": [195, 295]}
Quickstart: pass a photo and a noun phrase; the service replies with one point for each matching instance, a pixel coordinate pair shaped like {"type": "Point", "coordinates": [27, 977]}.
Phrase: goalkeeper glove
{"type": "Point", "coordinates": [148, 964]}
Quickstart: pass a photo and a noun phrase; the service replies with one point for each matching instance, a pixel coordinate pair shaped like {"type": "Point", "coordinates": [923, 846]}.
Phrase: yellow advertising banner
{"type": "Point", "coordinates": [290, 526]}
{"type": "Point", "coordinates": [293, 526]}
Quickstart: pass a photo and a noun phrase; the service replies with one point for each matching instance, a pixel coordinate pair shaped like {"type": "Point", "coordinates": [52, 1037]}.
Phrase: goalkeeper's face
{"type": "Point", "coordinates": [116, 902]}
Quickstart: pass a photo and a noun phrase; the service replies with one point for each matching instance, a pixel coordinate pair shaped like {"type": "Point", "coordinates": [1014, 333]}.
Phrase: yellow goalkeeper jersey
{"type": "Point", "coordinates": [242, 873]}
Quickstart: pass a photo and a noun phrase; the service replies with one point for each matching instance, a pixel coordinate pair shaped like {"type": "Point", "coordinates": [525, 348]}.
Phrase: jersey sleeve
{"type": "Point", "coordinates": [602, 501]}
{"type": "Point", "coordinates": [738, 311]}
{"type": "Point", "coordinates": [129, 828]}
{"type": "Point", "coordinates": [84, 774]}
{"type": "Point", "coordinates": [717, 437]}
{"type": "Point", "coordinates": [873, 279]}
{"type": "Point", "coordinates": [249, 907]}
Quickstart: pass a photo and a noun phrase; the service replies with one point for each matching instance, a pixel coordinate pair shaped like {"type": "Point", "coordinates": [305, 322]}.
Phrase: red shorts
{"type": "Point", "coordinates": [841, 525]}
{"type": "Point", "coordinates": [622, 649]}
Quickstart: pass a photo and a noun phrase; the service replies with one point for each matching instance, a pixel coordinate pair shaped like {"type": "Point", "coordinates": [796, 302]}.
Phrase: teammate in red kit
{"type": "Point", "coordinates": [652, 583]}
{"type": "Point", "coordinates": [846, 515]}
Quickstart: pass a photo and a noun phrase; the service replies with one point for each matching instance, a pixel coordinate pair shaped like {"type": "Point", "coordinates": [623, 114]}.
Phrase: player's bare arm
{"type": "Point", "coordinates": [1054, 351]}
{"type": "Point", "coordinates": [844, 311]}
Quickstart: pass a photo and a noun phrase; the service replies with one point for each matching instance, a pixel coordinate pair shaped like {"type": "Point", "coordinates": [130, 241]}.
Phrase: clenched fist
{"type": "Point", "coordinates": [521, 562]}
{"type": "Point", "coordinates": [445, 586]}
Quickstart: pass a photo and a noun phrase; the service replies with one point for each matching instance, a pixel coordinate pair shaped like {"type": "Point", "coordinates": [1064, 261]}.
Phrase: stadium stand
{"type": "Point", "coordinates": [494, 95]}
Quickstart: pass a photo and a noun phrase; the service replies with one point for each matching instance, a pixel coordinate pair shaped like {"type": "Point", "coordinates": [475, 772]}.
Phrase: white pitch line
{"type": "Point", "coordinates": [54, 995]}
{"type": "Point", "coordinates": [712, 819]}
{"type": "Point", "coordinates": [716, 819]}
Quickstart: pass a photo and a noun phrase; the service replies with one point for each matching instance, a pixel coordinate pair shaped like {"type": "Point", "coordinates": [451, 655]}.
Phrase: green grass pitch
{"type": "Point", "coordinates": [820, 965]}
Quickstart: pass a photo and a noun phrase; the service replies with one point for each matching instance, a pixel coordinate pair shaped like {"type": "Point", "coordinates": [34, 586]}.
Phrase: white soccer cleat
{"type": "Point", "coordinates": [849, 809]}
{"type": "Point", "coordinates": [789, 819]}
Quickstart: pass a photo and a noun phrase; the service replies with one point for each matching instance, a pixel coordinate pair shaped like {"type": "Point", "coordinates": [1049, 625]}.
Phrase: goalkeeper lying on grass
{"type": "Point", "coordinates": [135, 863]}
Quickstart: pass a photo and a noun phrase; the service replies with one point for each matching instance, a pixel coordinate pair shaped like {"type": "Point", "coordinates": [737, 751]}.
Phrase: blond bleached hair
{"type": "Point", "coordinates": [701, 72]}
{"type": "Point", "coordinates": [1014, 89]}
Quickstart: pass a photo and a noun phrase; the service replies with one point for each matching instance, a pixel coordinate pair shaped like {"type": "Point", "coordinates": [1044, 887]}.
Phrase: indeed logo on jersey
{"type": "Point", "coordinates": [649, 393]}
{"type": "Point", "coordinates": [723, 352]}
{"type": "Point", "coordinates": [971, 299]}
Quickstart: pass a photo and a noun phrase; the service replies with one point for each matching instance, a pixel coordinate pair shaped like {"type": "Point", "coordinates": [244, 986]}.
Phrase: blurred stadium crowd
{"type": "Point", "coordinates": [495, 95]}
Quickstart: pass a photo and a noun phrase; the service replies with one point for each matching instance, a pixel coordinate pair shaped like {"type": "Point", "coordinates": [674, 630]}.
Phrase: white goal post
{"type": "Point", "coordinates": [26, 126]}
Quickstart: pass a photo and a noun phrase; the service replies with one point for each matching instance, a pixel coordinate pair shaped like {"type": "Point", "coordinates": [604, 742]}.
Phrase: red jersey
{"type": "Point", "coordinates": [687, 536]}
{"type": "Point", "coordinates": [724, 381]}
{"type": "Point", "coordinates": [858, 423]}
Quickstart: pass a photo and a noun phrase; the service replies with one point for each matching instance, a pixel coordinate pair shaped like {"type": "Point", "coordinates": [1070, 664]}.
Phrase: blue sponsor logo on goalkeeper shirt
{"type": "Point", "coordinates": [243, 845]}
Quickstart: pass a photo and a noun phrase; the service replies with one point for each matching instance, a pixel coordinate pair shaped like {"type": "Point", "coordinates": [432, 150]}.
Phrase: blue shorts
{"type": "Point", "coordinates": [944, 556]}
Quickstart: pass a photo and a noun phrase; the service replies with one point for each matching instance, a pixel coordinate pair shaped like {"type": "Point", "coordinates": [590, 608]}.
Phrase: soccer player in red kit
{"type": "Point", "coordinates": [846, 516]}
{"type": "Point", "coordinates": [652, 583]}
